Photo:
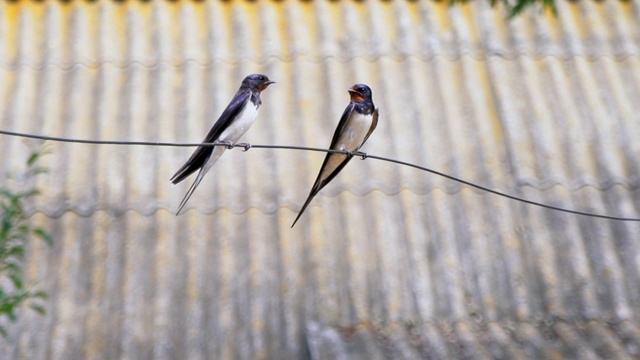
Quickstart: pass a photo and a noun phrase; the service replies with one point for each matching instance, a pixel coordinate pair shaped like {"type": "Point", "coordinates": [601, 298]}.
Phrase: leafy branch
{"type": "Point", "coordinates": [516, 7]}
{"type": "Point", "coordinates": [15, 232]}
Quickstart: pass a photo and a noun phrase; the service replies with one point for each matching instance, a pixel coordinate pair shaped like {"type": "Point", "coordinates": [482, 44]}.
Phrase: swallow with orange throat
{"type": "Point", "coordinates": [234, 122]}
{"type": "Point", "coordinates": [357, 123]}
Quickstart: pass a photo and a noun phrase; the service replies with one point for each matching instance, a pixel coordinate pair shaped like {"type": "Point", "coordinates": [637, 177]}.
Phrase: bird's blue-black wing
{"type": "Point", "coordinates": [202, 153]}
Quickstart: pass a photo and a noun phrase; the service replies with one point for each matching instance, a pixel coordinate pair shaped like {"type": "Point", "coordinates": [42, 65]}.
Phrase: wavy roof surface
{"type": "Point", "coordinates": [388, 261]}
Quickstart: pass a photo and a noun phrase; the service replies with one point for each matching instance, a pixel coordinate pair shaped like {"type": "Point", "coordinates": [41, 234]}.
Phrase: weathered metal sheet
{"type": "Point", "coordinates": [388, 261]}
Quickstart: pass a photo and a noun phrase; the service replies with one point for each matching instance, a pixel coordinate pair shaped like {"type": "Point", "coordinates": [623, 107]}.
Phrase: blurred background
{"type": "Point", "coordinates": [388, 261]}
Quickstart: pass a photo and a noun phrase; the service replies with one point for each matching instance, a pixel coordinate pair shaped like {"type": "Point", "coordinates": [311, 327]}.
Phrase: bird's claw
{"type": "Point", "coordinates": [363, 155]}
{"type": "Point", "coordinates": [245, 146]}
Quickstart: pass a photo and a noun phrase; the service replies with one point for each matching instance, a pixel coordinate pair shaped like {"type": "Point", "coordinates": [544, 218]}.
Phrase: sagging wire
{"type": "Point", "coordinates": [247, 146]}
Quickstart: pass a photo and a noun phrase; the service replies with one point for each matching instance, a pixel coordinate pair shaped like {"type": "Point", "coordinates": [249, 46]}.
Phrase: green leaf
{"type": "Point", "coordinates": [29, 193]}
{"type": "Point", "coordinates": [15, 251]}
{"type": "Point", "coordinates": [24, 228]}
{"type": "Point", "coordinates": [39, 170]}
{"type": "Point", "coordinates": [6, 222]}
{"type": "Point", "coordinates": [11, 266]}
{"type": "Point", "coordinates": [515, 7]}
{"type": "Point", "coordinates": [17, 280]}
{"type": "Point", "coordinates": [40, 294]}
{"type": "Point", "coordinates": [39, 309]}
{"type": "Point", "coordinates": [42, 234]}
{"type": "Point", "coordinates": [521, 5]}
{"type": "Point", "coordinates": [33, 158]}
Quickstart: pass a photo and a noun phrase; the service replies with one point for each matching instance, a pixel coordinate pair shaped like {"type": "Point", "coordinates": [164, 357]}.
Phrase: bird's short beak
{"type": "Point", "coordinates": [265, 84]}
{"type": "Point", "coordinates": [355, 95]}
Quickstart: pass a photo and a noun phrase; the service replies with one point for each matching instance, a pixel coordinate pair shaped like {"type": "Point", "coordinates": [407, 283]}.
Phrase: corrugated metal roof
{"type": "Point", "coordinates": [539, 107]}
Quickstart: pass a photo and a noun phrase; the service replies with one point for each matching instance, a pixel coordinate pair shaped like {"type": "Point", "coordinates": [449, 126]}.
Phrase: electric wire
{"type": "Point", "coordinates": [363, 155]}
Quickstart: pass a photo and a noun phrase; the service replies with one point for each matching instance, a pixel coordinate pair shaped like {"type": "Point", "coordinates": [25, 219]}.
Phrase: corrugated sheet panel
{"type": "Point", "coordinates": [541, 107]}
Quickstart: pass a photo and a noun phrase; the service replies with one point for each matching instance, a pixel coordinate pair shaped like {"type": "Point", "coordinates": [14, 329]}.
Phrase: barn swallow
{"type": "Point", "coordinates": [231, 125]}
{"type": "Point", "coordinates": [357, 123]}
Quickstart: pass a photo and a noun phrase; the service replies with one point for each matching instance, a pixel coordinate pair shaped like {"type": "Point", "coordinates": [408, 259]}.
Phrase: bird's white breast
{"type": "Point", "coordinates": [241, 124]}
{"type": "Point", "coordinates": [355, 131]}
{"type": "Point", "coordinates": [351, 139]}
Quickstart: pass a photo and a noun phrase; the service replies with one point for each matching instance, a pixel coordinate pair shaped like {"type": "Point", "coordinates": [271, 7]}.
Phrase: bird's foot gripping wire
{"type": "Point", "coordinates": [230, 145]}
{"type": "Point", "coordinates": [245, 146]}
{"type": "Point", "coordinates": [363, 155]}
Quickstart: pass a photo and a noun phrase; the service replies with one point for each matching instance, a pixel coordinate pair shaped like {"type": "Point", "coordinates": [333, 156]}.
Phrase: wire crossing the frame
{"type": "Point", "coordinates": [246, 147]}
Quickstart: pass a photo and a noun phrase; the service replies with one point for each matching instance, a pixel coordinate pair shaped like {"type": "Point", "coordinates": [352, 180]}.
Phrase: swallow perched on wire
{"type": "Point", "coordinates": [232, 124]}
{"type": "Point", "coordinates": [357, 123]}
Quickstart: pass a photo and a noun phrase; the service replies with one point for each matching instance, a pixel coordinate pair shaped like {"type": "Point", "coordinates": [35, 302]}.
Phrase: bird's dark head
{"type": "Point", "coordinates": [257, 81]}
{"type": "Point", "coordinates": [360, 92]}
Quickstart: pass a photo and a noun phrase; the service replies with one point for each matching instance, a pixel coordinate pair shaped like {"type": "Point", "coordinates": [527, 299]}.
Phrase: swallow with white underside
{"type": "Point", "coordinates": [357, 123]}
{"type": "Point", "coordinates": [234, 122]}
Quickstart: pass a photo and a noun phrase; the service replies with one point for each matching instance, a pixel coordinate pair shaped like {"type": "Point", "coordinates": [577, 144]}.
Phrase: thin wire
{"type": "Point", "coordinates": [167, 144]}
{"type": "Point", "coordinates": [483, 188]}
{"type": "Point", "coordinates": [304, 148]}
